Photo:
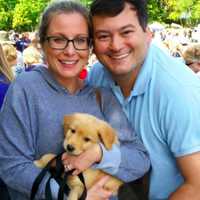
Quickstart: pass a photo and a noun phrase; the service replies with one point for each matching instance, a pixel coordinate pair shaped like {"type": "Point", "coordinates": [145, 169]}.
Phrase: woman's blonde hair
{"type": "Point", "coordinates": [10, 52]}
{"type": "Point", "coordinates": [5, 69]}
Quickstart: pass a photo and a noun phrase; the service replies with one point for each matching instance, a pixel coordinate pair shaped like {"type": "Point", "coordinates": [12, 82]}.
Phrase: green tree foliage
{"type": "Point", "coordinates": [156, 10]}
{"type": "Point", "coordinates": [86, 2]}
{"type": "Point", "coordinates": [6, 13]}
{"type": "Point", "coordinates": [195, 12]}
{"type": "Point", "coordinates": [27, 14]}
{"type": "Point", "coordinates": [182, 11]}
{"type": "Point", "coordinates": [23, 15]}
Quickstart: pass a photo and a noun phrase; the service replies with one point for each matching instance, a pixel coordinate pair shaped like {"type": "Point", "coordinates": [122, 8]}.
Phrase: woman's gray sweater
{"type": "Point", "coordinates": [31, 125]}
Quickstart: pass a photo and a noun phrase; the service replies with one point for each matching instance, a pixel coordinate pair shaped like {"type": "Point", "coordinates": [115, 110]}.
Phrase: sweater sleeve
{"type": "Point", "coordinates": [128, 161]}
{"type": "Point", "coordinates": [17, 142]}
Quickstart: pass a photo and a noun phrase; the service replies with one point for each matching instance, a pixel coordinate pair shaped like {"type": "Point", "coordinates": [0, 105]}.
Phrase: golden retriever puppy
{"type": "Point", "coordinates": [81, 131]}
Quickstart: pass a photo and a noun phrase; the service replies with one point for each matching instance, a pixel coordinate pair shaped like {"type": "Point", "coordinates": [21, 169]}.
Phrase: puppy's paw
{"type": "Point", "coordinates": [73, 196]}
{"type": "Point", "coordinates": [42, 162]}
{"type": "Point", "coordinates": [39, 164]}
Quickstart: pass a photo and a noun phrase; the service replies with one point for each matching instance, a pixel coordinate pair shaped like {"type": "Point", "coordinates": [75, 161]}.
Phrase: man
{"type": "Point", "coordinates": [159, 95]}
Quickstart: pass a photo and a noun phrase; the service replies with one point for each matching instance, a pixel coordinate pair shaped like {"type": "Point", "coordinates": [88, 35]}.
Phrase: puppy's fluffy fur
{"type": "Point", "coordinates": [81, 131]}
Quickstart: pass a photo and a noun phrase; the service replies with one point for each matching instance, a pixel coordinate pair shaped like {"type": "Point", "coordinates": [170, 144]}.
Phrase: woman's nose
{"type": "Point", "coordinates": [69, 49]}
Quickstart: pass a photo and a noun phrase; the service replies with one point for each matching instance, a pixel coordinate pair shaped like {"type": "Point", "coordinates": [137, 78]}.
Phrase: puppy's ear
{"type": "Point", "coordinates": [66, 122]}
{"type": "Point", "coordinates": [107, 135]}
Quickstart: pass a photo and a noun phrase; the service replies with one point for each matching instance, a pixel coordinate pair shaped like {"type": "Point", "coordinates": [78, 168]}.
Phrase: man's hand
{"type": "Point", "coordinates": [97, 192]}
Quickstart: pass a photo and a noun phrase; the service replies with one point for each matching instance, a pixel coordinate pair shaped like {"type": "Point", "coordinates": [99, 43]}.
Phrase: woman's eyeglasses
{"type": "Point", "coordinates": [60, 43]}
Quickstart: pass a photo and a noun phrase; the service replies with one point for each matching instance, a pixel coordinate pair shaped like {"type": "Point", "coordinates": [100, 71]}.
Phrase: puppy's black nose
{"type": "Point", "coordinates": [70, 148]}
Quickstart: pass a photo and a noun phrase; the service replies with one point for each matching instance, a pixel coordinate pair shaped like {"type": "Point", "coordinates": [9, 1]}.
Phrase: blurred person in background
{"type": "Point", "coordinates": [23, 42]}
{"type": "Point", "coordinates": [32, 58]}
{"type": "Point", "coordinates": [6, 77]}
{"type": "Point", "coordinates": [192, 58]}
{"type": "Point", "coordinates": [11, 55]}
{"type": "Point", "coordinates": [33, 54]}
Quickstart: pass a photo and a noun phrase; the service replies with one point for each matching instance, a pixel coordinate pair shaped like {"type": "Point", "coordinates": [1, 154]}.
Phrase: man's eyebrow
{"type": "Point", "coordinates": [101, 31]}
{"type": "Point", "coordinates": [127, 26]}
{"type": "Point", "coordinates": [120, 29]}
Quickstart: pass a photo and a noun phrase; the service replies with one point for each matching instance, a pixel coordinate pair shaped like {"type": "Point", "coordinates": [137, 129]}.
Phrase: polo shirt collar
{"type": "Point", "coordinates": [143, 79]}
{"type": "Point", "coordinates": [145, 74]}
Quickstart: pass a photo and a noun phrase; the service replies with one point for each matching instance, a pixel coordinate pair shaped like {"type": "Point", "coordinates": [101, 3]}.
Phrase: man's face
{"type": "Point", "coordinates": [120, 43]}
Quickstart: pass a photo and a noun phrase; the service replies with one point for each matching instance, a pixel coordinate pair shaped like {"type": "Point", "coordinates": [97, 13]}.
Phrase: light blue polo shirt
{"type": "Point", "coordinates": [164, 109]}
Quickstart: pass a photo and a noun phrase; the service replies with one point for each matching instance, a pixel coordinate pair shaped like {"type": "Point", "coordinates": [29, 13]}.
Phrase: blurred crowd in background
{"type": "Point", "coordinates": [23, 51]}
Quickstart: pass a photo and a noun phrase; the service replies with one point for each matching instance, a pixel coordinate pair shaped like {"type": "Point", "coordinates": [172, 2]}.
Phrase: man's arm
{"type": "Point", "coordinates": [190, 169]}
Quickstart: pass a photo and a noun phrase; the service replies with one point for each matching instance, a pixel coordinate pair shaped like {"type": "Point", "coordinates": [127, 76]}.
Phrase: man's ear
{"type": "Point", "coordinates": [107, 135]}
{"type": "Point", "coordinates": [149, 34]}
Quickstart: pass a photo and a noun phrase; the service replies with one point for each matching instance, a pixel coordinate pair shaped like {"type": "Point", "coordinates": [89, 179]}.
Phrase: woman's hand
{"type": "Point", "coordinates": [97, 192]}
{"type": "Point", "coordinates": [83, 161]}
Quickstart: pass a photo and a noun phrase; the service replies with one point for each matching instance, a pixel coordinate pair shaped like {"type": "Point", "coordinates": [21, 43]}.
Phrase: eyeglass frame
{"type": "Point", "coordinates": [67, 42]}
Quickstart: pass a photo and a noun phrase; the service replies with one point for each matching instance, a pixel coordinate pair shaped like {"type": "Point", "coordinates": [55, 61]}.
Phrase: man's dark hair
{"type": "Point", "coordinates": [111, 8]}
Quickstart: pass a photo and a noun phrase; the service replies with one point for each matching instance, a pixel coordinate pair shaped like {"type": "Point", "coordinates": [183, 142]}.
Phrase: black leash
{"type": "Point", "coordinates": [60, 176]}
{"type": "Point", "coordinates": [39, 178]}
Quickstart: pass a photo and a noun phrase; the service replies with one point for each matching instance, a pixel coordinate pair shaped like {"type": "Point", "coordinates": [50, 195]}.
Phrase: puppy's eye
{"type": "Point", "coordinates": [73, 130]}
{"type": "Point", "coordinates": [86, 139]}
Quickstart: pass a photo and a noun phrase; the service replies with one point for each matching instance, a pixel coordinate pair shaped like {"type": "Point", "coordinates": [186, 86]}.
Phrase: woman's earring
{"type": "Point", "coordinates": [83, 74]}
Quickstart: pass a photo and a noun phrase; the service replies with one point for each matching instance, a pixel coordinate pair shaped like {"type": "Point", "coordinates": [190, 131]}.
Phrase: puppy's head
{"type": "Point", "coordinates": [82, 130]}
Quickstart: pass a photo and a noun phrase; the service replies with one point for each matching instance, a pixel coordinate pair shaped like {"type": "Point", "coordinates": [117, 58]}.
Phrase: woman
{"type": "Point", "coordinates": [31, 118]}
{"type": "Point", "coordinates": [32, 55]}
{"type": "Point", "coordinates": [12, 55]}
{"type": "Point", "coordinates": [32, 58]}
{"type": "Point", "coordinates": [6, 77]}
